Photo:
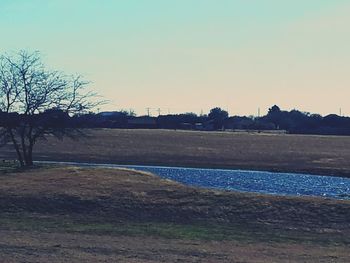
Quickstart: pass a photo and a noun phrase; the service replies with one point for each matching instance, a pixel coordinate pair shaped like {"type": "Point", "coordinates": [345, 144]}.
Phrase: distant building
{"type": "Point", "coordinates": [199, 126]}
{"type": "Point", "coordinates": [143, 122]}
{"type": "Point", "coordinates": [207, 126]}
{"type": "Point", "coordinates": [111, 113]}
{"type": "Point", "coordinates": [186, 126]}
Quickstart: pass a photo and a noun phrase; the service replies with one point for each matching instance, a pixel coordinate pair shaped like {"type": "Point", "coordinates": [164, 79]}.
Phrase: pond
{"type": "Point", "coordinates": [256, 181]}
{"type": "Point", "coordinates": [249, 181]}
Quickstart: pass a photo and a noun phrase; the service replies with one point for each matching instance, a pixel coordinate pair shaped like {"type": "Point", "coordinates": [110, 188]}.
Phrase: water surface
{"type": "Point", "coordinates": [256, 181]}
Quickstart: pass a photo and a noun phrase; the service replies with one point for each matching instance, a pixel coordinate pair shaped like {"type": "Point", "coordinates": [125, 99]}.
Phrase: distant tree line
{"type": "Point", "coordinates": [294, 121]}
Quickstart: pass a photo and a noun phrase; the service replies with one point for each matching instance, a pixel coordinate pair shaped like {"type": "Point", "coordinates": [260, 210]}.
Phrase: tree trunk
{"type": "Point", "coordinates": [29, 161]}
{"type": "Point", "coordinates": [27, 150]}
{"type": "Point", "coordinates": [18, 152]}
{"type": "Point", "coordinates": [29, 156]}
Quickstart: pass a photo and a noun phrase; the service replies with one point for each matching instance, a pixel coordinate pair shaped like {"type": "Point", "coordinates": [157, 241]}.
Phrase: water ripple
{"type": "Point", "coordinates": [256, 181]}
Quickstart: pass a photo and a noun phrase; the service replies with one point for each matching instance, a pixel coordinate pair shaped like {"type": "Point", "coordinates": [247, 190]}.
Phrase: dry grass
{"type": "Point", "coordinates": [56, 248]}
{"type": "Point", "coordinates": [328, 155]}
{"type": "Point", "coordinates": [73, 214]}
{"type": "Point", "coordinates": [96, 215]}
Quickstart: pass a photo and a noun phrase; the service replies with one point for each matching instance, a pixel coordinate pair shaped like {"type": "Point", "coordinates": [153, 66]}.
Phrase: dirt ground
{"type": "Point", "coordinates": [71, 214]}
{"type": "Point", "coordinates": [19, 246]}
{"type": "Point", "coordinates": [328, 155]}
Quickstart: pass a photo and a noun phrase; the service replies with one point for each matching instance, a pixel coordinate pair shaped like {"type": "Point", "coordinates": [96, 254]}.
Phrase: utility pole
{"type": "Point", "coordinates": [158, 111]}
{"type": "Point", "coordinates": [148, 110]}
{"type": "Point", "coordinates": [258, 112]}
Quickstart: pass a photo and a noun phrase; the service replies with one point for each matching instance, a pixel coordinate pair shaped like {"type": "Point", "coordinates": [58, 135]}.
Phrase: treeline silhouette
{"type": "Point", "coordinates": [276, 120]}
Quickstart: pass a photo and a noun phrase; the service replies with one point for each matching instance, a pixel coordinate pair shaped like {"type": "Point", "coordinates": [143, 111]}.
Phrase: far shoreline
{"type": "Point", "coordinates": [101, 163]}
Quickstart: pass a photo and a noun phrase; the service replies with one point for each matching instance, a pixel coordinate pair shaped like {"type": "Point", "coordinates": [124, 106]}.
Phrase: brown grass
{"type": "Point", "coordinates": [95, 215]}
{"type": "Point", "coordinates": [327, 155]}
{"type": "Point", "coordinates": [56, 248]}
{"type": "Point", "coordinates": [98, 215]}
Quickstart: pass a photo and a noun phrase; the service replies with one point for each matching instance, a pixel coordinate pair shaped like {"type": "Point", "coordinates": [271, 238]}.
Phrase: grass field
{"type": "Point", "coordinates": [70, 214]}
{"type": "Point", "coordinates": [328, 155]}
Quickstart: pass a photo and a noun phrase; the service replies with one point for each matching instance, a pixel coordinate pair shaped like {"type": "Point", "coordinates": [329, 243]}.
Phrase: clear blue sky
{"type": "Point", "coordinates": [188, 55]}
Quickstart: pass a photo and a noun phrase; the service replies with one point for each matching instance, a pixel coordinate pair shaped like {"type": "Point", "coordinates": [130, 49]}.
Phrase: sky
{"type": "Point", "coordinates": [193, 55]}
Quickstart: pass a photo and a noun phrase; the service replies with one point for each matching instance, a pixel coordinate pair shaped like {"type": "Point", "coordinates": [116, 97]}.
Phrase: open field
{"type": "Point", "coordinates": [55, 214]}
{"type": "Point", "coordinates": [327, 155]}
{"type": "Point", "coordinates": [71, 214]}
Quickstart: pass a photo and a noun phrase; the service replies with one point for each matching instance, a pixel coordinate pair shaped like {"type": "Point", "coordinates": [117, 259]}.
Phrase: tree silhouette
{"type": "Point", "coordinates": [36, 102]}
{"type": "Point", "coordinates": [274, 109]}
{"type": "Point", "coordinates": [217, 115]}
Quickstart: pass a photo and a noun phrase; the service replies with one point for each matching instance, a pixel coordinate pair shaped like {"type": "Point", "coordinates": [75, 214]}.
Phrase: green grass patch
{"type": "Point", "coordinates": [207, 232]}
{"type": "Point", "coordinates": [8, 166]}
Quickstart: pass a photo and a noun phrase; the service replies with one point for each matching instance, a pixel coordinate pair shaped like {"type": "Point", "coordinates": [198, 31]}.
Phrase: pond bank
{"type": "Point", "coordinates": [246, 181]}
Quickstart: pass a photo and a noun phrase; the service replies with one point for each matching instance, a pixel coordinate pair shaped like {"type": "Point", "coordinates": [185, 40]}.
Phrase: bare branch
{"type": "Point", "coordinates": [37, 102]}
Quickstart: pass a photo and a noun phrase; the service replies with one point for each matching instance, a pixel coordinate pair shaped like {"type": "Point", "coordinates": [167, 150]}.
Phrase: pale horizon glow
{"type": "Point", "coordinates": [192, 55]}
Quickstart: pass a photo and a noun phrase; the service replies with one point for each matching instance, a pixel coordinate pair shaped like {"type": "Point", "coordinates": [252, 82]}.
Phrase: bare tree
{"type": "Point", "coordinates": [36, 102]}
